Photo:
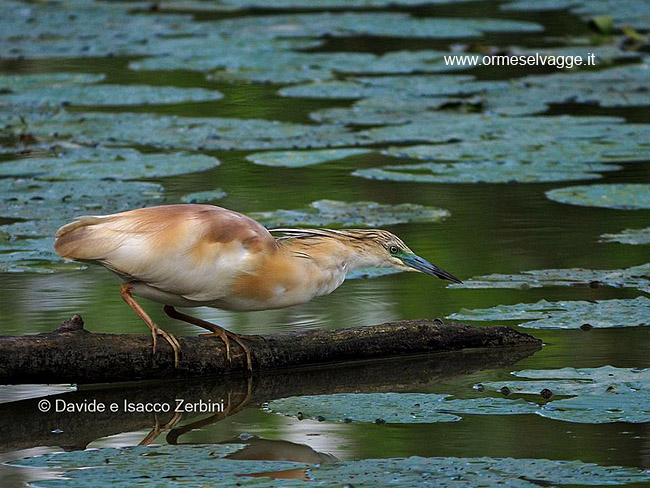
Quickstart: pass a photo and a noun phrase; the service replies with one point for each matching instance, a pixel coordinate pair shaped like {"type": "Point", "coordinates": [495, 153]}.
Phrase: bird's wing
{"type": "Point", "coordinates": [193, 251]}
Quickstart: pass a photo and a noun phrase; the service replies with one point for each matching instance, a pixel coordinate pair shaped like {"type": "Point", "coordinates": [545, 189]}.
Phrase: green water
{"type": "Point", "coordinates": [493, 228]}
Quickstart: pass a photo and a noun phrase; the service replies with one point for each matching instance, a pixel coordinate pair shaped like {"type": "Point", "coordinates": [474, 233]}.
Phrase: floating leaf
{"type": "Point", "coordinates": [241, 57]}
{"type": "Point", "coordinates": [204, 196]}
{"type": "Point", "coordinates": [204, 464]}
{"type": "Point", "coordinates": [29, 255]}
{"type": "Point", "coordinates": [392, 407]}
{"type": "Point", "coordinates": [415, 472]}
{"type": "Point", "coordinates": [59, 200]}
{"type": "Point", "coordinates": [86, 163]}
{"type": "Point", "coordinates": [622, 86]}
{"type": "Point", "coordinates": [23, 83]}
{"type": "Point", "coordinates": [311, 4]}
{"type": "Point", "coordinates": [135, 457]}
{"type": "Point", "coordinates": [296, 159]}
{"type": "Point", "coordinates": [294, 67]}
{"type": "Point", "coordinates": [393, 86]}
{"type": "Point", "coordinates": [390, 24]}
{"type": "Point", "coordinates": [324, 213]}
{"type": "Point", "coordinates": [566, 314]}
{"type": "Point", "coordinates": [621, 405]}
{"type": "Point", "coordinates": [633, 277]}
{"type": "Point", "coordinates": [599, 395]}
{"type": "Point", "coordinates": [594, 137]}
{"type": "Point", "coordinates": [76, 28]}
{"type": "Point", "coordinates": [621, 196]}
{"type": "Point", "coordinates": [531, 150]}
{"type": "Point", "coordinates": [42, 207]}
{"type": "Point", "coordinates": [623, 12]}
{"type": "Point", "coordinates": [400, 408]}
{"type": "Point", "coordinates": [485, 172]}
{"type": "Point", "coordinates": [389, 110]}
{"type": "Point", "coordinates": [629, 236]}
{"type": "Point", "coordinates": [108, 95]}
{"type": "Point", "coordinates": [178, 132]}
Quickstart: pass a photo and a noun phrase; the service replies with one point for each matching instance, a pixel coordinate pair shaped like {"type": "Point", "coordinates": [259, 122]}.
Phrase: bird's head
{"type": "Point", "coordinates": [391, 252]}
{"type": "Point", "coordinates": [364, 248]}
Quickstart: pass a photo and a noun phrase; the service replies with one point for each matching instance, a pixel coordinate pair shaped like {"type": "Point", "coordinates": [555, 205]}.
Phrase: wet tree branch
{"type": "Point", "coordinates": [71, 354]}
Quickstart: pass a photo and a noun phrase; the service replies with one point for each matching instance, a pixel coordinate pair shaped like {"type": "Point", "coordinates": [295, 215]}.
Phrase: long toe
{"type": "Point", "coordinates": [172, 341]}
{"type": "Point", "coordinates": [223, 335]}
{"type": "Point", "coordinates": [246, 349]}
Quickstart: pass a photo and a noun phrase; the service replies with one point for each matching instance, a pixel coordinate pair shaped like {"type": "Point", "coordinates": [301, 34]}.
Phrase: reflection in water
{"type": "Point", "coordinates": [24, 426]}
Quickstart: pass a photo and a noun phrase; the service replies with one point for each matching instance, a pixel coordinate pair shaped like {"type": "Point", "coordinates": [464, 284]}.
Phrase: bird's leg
{"type": "Point", "coordinates": [127, 295]}
{"type": "Point", "coordinates": [175, 433]}
{"type": "Point", "coordinates": [157, 429]}
{"type": "Point", "coordinates": [215, 330]}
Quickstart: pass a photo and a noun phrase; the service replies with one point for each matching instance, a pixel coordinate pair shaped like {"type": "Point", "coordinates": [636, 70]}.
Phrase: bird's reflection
{"type": "Point", "coordinates": [24, 426]}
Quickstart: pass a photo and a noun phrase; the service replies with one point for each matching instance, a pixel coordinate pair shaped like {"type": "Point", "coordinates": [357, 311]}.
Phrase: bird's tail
{"type": "Point", "coordinates": [83, 239]}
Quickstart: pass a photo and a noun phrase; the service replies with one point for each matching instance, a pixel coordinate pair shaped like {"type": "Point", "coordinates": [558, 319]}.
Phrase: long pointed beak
{"type": "Point", "coordinates": [421, 264]}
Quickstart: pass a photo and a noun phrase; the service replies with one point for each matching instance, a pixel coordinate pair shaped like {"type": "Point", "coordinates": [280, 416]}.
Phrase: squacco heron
{"type": "Point", "coordinates": [202, 255]}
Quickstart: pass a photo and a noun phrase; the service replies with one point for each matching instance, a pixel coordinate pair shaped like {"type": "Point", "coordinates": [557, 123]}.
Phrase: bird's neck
{"type": "Point", "coordinates": [326, 255]}
{"type": "Point", "coordinates": [294, 272]}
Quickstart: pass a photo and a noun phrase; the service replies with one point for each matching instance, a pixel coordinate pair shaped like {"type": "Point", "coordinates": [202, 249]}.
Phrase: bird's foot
{"type": "Point", "coordinates": [173, 342]}
{"type": "Point", "coordinates": [225, 337]}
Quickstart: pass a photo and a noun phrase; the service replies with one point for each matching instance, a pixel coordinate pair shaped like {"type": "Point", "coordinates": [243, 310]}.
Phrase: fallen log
{"type": "Point", "coordinates": [71, 354]}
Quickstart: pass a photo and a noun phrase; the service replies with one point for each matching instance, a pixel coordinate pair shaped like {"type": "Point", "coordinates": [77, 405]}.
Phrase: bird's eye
{"type": "Point", "coordinates": [393, 249]}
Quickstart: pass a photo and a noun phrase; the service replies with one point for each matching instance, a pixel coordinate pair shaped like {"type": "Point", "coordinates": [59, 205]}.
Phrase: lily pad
{"type": "Point", "coordinates": [21, 83]}
{"type": "Point", "coordinates": [629, 236]}
{"type": "Point", "coordinates": [606, 136]}
{"type": "Point", "coordinates": [204, 196]}
{"type": "Point", "coordinates": [390, 24]}
{"type": "Point", "coordinates": [633, 277]}
{"type": "Point", "coordinates": [389, 110]}
{"type": "Point", "coordinates": [61, 200]}
{"type": "Point", "coordinates": [324, 213]}
{"type": "Point", "coordinates": [29, 255]}
{"type": "Point", "coordinates": [400, 408]}
{"type": "Point", "coordinates": [623, 12]}
{"type": "Point", "coordinates": [236, 55]}
{"type": "Point", "coordinates": [531, 150]}
{"type": "Point", "coordinates": [393, 86]}
{"type": "Point", "coordinates": [415, 472]}
{"type": "Point", "coordinates": [566, 314]}
{"type": "Point", "coordinates": [620, 196]}
{"type": "Point", "coordinates": [295, 67]}
{"type": "Point", "coordinates": [623, 86]}
{"type": "Point", "coordinates": [485, 172]}
{"type": "Point", "coordinates": [313, 4]}
{"type": "Point", "coordinates": [177, 132]}
{"type": "Point", "coordinates": [140, 456]}
{"type": "Point", "coordinates": [41, 207]}
{"type": "Point", "coordinates": [76, 28]}
{"type": "Point", "coordinates": [108, 95]}
{"type": "Point", "coordinates": [391, 407]}
{"type": "Point", "coordinates": [599, 395]}
{"type": "Point", "coordinates": [94, 163]}
{"type": "Point", "coordinates": [204, 464]}
{"type": "Point", "coordinates": [297, 159]}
